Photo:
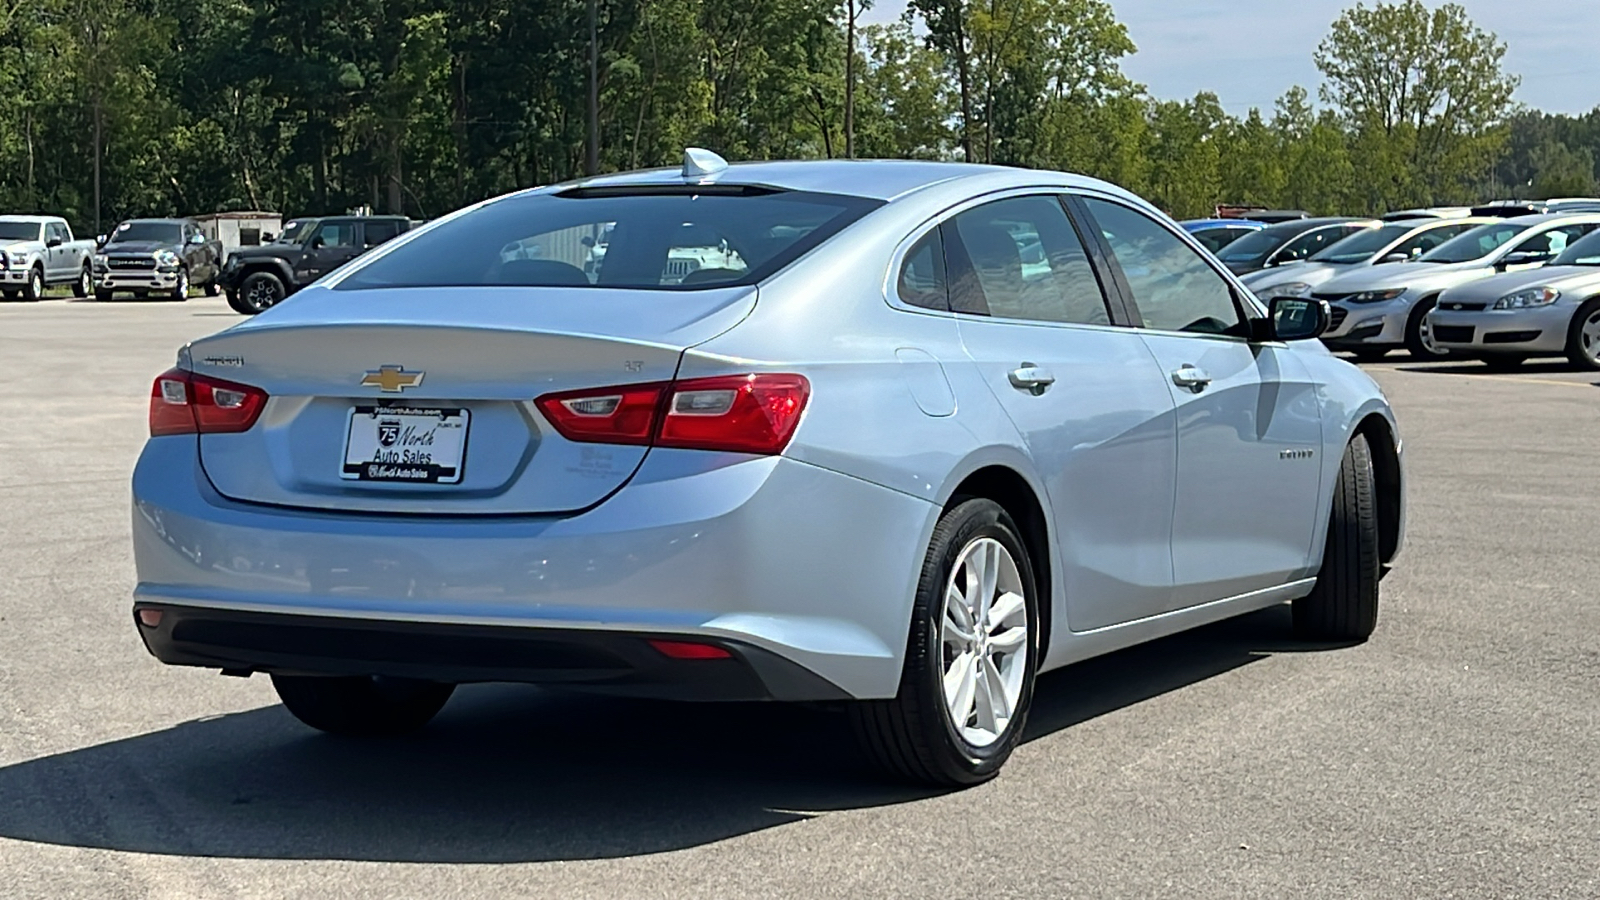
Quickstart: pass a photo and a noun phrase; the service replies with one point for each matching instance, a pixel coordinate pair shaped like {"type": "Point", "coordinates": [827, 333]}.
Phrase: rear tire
{"type": "Point", "coordinates": [361, 706]}
{"type": "Point", "coordinates": [1414, 325]}
{"type": "Point", "coordinates": [1583, 336]}
{"type": "Point", "coordinates": [84, 284]}
{"type": "Point", "coordinates": [916, 736]}
{"type": "Point", "coordinates": [1344, 604]}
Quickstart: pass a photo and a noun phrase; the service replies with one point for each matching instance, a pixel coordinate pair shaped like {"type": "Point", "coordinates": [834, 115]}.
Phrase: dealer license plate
{"type": "Point", "coordinates": [418, 445]}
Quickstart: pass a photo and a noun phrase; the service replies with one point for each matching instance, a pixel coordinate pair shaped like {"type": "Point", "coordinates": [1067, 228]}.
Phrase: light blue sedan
{"type": "Point", "coordinates": [894, 435]}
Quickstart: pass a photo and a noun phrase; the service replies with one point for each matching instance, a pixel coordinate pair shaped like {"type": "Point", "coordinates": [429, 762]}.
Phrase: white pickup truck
{"type": "Point", "coordinates": [38, 251]}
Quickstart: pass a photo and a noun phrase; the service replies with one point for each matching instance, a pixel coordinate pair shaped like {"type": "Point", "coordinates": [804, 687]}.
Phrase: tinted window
{"type": "Point", "coordinates": [1474, 244]}
{"type": "Point", "coordinates": [19, 231]}
{"type": "Point", "coordinates": [1026, 263]}
{"type": "Point", "coordinates": [1304, 246]}
{"type": "Point", "coordinates": [1425, 242]}
{"type": "Point", "coordinates": [1360, 247]}
{"type": "Point", "coordinates": [336, 234]}
{"type": "Point", "coordinates": [1553, 242]}
{"type": "Point", "coordinates": [1175, 288]}
{"type": "Point", "coordinates": [656, 239]}
{"type": "Point", "coordinates": [1215, 239]}
{"type": "Point", "coordinates": [1257, 245]}
{"type": "Point", "coordinates": [1584, 252]}
{"type": "Point", "coordinates": [379, 230]}
{"type": "Point", "coordinates": [921, 281]}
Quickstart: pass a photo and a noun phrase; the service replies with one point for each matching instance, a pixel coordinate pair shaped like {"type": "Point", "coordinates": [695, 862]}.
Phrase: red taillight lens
{"type": "Point", "coordinates": [742, 413]}
{"type": "Point", "coordinates": [618, 415]}
{"type": "Point", "coordinates": [186, 403]}
{"type": "Point", "coordinates": [689, 650]}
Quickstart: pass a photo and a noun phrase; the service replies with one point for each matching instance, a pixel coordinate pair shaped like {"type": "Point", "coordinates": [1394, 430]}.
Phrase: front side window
{"type": "Point", "coordinates": [335, 234]}
{"type": "Point", "coordinates": [1027, 262]}
{"type": "Point", "coordinates": [922, 280]}
{"type": "Point", "coordinates": [646, 238]}
{"type": "Point", "coordinates": [1425, 242]}
{"type": "Point", "coordinates": [1582, 252]}
{"type": "Point", "coordinates": [1174, 287]}
{"type": "Point", "coordinates": [1549, 244]}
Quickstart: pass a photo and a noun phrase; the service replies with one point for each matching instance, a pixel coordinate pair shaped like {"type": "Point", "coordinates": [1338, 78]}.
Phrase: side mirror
{"type": "Point", "coordinates": [99, 240]}
{"type": "Point", "coordinates": [1524, 258]}
{"type": "Point", "coordinates": [316, 243]}
{"type": "Point", "coordinates": [197, 239]}
{"type": "Point", "coordinates": [1296, 319]}
{"type": "Point", "coordinates": [52, 241]}
{"type": "Point", "coordinates": [1393, 258]}
{"type": "Point", "coordinates": [268, 237]}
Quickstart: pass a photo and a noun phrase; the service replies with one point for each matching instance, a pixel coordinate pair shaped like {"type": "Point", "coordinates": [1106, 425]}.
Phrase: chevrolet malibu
{"type": "Point", "coordinates": [896, 436]}
{"type": "Point", "coordinates": [1552, 311]}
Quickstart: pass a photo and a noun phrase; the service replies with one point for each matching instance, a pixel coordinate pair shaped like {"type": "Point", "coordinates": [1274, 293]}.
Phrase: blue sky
{"type": "Point", "coordinates": [1250, 51]}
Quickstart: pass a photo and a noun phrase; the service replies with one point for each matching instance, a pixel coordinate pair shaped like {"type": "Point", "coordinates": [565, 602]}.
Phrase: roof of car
{"type": "Point", "coordinates": [1298, 225]}
{"type": "Point", "coordinates": [159, 221]}
{"type": "Point", "coordinates": [880, 179]}
{"type": "Point", "coordinates": [1193, 224]}
{"type": "Point", "coordinates": [35, 220]}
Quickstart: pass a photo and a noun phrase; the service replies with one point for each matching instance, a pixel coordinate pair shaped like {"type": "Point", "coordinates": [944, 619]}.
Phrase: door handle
{"type": "Point", "coordinates": [1192, 377]}
{"type": "Point", "coordinates": [1031, 378]}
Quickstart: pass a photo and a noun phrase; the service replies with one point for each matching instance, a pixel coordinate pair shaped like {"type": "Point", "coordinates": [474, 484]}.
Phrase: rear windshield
{"type": "Point", "coordinates": [1360, 247]}
{"type": "Point", "coordinates": [673, 240]}
{"type": "Point", "coordinates": [19, 231]}
{"type": "Point", "coordinates": [1474, 244]}
{"type": "Point", "coordinates": [147, 231]}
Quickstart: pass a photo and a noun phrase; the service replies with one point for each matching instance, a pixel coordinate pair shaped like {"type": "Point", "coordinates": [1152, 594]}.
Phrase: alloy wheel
{"type": "Point", "coordinates": [36, 283]}
{"type": "Point", "coordinates": [84, 283]}
{"type": "Point", "coordinates": [985, 641]}
{"type": "Point", "coordinates": [261, 296]}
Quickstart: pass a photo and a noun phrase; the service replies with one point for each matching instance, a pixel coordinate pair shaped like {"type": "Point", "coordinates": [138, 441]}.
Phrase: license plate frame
{"type": "Point", "coordinates": [425, 444]}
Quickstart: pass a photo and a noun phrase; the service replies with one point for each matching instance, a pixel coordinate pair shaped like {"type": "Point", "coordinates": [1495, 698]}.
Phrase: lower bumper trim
{"type": "Point", "coordinates": [602, 661]}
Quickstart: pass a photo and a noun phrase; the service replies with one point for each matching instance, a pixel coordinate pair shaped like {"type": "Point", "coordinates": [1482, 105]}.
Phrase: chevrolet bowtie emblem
{"type": "Point", "coordinates": [391, 379]}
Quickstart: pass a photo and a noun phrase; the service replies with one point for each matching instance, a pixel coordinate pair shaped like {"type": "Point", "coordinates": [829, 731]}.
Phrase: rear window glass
{"type": "Point", "coordinates": [672, 240]}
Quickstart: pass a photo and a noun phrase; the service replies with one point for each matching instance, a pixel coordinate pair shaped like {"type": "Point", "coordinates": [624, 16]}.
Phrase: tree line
{"type": "Point", "coordinates": [116, 108]}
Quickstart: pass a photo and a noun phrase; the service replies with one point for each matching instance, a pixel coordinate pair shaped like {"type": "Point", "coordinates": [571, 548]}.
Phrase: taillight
{"type": "Point", "coordinates": [742, 413]}
{"type": "Point", "coordinates": [188, 403]}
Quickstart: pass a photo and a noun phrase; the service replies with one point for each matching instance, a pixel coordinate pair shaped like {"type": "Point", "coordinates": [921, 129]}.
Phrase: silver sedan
{"type": "Point", "coordinates": [1553, 311]}
{"type": "Point", "coordinates": [893, 435]}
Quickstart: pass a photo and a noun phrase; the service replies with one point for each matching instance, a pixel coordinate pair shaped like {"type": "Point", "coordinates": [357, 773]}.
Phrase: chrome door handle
{"type": "Point", "coordinates": [1031, 378]}
{"type": "Point", "coordinates": [1191, 376]}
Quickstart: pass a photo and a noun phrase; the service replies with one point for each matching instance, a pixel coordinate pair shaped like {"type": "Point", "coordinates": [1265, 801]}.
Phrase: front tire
{"type": "Point", "coordinates": [259, 293]}
{"type": "Point", "coordinates": [34, 289]}
{"type": "Point", "coordinates": [1416, 342]}
{"type": "Point", "coordinates": [84, 284]}
{"type": "Point", "coordinates": [1343, 606]}
{"type": "Point", "coordinates": [103, 295]}
{"type": "Point", "coordinates": [1583, 336]}
{"type": "Point", "coordinates": [361, 706]}
{"type": "Point", "coordinates": [180, 291]}
{"type": "Point", "coordinates": [971, 657]}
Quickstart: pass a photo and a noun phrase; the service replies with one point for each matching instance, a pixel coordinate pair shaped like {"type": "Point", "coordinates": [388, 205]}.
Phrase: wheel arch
{"type": "Point", "coordinates": [1013, 491]}
{"type": "Point", "coordinates": [1388, 477]}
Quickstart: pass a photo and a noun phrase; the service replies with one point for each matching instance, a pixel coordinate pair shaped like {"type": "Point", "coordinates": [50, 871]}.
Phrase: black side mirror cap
{"type": "Point", "coordinates": [1295, 319]}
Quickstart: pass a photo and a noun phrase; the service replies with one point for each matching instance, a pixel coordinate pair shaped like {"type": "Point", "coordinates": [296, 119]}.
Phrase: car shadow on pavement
{"type": "Point", "coordinates": [1473, 367]}
{"type": "Point", "coordinates": [516, 774]}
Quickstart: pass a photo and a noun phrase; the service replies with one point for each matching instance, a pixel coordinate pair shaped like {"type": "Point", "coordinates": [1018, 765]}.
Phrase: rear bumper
{"type": "Point", "coordinates": [810, 566]}
{"type": "Point", "coordinates": [597, 661]}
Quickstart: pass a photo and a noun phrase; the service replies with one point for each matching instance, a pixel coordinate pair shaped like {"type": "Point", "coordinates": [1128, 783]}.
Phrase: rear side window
{"type": "Point", "coordinates": [1026, 263]}
{"type": "Point", "coordinates": [665, 239]}
{"type": "Point", "coordinates": [379, 230]}
{"type": "Point", "coordinates": [922, 282]}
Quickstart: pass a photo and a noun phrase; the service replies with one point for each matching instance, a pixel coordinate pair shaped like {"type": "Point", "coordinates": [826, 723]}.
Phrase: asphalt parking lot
{"type": "Point", "coordinates": [1452, 756]}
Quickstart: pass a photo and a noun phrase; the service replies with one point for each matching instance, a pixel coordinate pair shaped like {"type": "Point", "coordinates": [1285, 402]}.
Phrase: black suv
{"type": "Point", "coordinates": [257, 278]}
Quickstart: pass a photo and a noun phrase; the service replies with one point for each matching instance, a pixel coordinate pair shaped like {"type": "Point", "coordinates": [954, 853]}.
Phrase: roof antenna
{"type": "Point", "coordinates": [702, 164]}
